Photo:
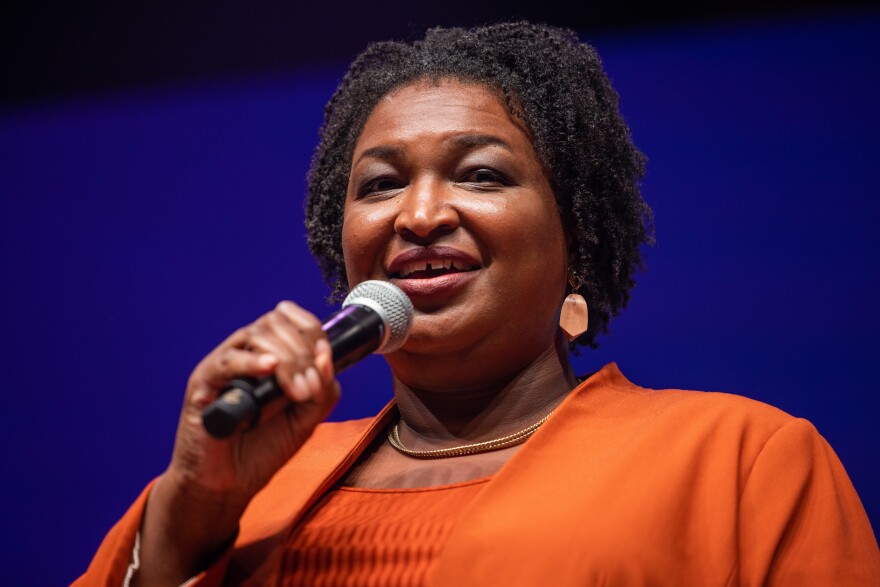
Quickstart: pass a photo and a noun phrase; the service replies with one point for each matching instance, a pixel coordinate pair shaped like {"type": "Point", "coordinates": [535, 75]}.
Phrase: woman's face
{"type": "Point", "coordinates": [448, 200]}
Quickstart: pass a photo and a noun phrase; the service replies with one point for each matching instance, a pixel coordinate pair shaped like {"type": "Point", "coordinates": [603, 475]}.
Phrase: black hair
{"type": "Point", "coordinates": [555, 84]}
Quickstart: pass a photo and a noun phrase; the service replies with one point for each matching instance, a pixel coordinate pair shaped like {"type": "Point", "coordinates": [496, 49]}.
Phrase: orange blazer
{"type": "Point", "coordinates": [621, 486]}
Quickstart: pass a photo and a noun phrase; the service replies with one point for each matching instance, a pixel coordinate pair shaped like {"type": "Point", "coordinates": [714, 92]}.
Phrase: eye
{"type": "Point", "coordinates": [485, 178]}
{"type": "Point", "coordinates": [379, 186]}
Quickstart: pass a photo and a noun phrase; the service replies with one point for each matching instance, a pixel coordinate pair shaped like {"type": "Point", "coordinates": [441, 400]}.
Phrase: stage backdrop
{"type": "Point", "coordinates": [141, 228]}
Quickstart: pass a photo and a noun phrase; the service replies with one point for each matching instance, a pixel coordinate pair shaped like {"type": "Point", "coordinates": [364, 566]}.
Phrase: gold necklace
{"type": "Point", "coordinates": [468, 449]}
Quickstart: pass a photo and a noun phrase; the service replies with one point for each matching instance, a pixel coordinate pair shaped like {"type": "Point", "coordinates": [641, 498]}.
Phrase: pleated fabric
{"type": "Point", "coordinates": [374, 537]}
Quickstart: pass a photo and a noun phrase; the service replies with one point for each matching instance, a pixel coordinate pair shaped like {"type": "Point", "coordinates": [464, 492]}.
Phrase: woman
{"type": "Point", "coordinates": [489, 174]}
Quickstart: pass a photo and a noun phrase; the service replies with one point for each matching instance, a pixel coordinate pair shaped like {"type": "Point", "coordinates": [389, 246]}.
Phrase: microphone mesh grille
{"type": "Point", "coordinates": [395, 308]}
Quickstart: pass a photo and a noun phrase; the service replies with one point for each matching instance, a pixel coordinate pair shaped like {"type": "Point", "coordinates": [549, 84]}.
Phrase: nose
{"type": "Point", "coordinates": [427, 212]}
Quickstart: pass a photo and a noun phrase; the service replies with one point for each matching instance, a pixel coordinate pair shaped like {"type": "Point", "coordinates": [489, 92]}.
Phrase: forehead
{"type": "Point", "coordinates": [426, 109]}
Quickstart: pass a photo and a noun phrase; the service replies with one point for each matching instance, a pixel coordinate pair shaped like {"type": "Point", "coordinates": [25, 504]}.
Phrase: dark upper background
{"type": "Point", "coordinates": [63, 48]}
{"type": "Point", "coordinates": [151, 170]}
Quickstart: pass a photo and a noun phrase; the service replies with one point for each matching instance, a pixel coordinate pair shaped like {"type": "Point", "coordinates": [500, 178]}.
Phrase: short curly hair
{"type": "Point", "coordinates": [555, 84]}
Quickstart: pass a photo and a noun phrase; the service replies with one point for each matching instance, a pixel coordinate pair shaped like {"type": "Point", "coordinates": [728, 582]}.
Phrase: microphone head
{"type": "Point", "coordinates": [392, 305]}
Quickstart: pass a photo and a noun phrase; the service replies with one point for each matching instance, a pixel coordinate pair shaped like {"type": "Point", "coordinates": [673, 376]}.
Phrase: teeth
{"type": "Point", "coordinates": [409, 268]}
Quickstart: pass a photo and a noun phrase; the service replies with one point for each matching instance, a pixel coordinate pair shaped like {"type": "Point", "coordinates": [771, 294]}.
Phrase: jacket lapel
{"type": "Point", "coordinates": [295, 488]}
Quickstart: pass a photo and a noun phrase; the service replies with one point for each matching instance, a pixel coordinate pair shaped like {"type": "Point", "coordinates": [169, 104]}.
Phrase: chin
{"type": "Point", "coordinates": [431, 341]}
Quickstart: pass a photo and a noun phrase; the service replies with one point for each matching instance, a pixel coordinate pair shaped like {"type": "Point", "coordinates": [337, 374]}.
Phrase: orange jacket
{"type": "Point", "coordinates": [622, 486]}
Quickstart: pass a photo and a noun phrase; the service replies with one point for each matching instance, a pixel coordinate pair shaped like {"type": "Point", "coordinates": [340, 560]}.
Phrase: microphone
{"type": "Point", "coordinates": [375, 317]}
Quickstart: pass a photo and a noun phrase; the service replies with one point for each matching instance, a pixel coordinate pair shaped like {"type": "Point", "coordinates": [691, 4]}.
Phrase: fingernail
{"type": "Point", "coordinates": [314, 380]}
{"type": "Point", "coordinates": [301, 392]}
{"type": "Point", "coordinates": [327, 370]}
{"type": "Point", "coordinates": [322, 346]}
{"type": "Point", "coordinates": [266, 360]}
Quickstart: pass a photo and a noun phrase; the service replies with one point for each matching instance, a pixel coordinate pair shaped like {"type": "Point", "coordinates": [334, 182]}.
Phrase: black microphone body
{"type": "Point", "coordinates": [354, 332]}
{"type": "Point", "coordinates": [376, 316]}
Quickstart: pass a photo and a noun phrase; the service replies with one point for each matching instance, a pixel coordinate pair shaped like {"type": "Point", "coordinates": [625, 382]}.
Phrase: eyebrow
{"type": "Point", "coordinates": [478, 140]}
{"type": "Point", "coordinates": [459, 141]}
{"type": "Point", "coordinates": [381, 152]}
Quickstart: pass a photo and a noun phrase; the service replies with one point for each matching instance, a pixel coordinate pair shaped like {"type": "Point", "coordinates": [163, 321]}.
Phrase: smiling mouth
{"type": "Point", "coordinates": [429, 268]}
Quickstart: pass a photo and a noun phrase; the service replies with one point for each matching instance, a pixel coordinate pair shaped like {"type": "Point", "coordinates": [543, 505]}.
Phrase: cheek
{"type": "Point", "coordinates": [530, 231]}
{"type": "Point", "coordinates": [352, 246]}
{"type": "Point", "coordinates": [362, 238]}
{"type": "Point", "coordinates": [540, 250]}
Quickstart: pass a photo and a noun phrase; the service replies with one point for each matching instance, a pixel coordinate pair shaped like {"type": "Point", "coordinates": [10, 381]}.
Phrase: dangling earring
{"type": "Point", "coordinates": [574, 317]}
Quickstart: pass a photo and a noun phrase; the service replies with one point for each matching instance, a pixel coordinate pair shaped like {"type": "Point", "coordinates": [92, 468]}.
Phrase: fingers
{"type": "Point", "coordinates": [316, 382]}
{"type": "Point", "coordinates": [291, 334]}
{"type": "Point", "coordinates": [324, 359]}
{"type": "Point", "coordinates": [323, 393]}
{"type": "Point", "coordinates": [306, 385]}
{"type": "Point", "coordinates": [226, 363]}
{"type": "Point", "coordinates": [287, 342]}
{"type": "Point", "coordinates": [303, 320]}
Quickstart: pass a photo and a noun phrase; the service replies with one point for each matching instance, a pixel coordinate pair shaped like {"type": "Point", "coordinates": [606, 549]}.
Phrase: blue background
{"type": "Point", "coordinates": [141, 227]}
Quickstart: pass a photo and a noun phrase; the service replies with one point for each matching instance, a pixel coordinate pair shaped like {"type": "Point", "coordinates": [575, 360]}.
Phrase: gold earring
{"type": "Point", "coordinates": [574, 317]}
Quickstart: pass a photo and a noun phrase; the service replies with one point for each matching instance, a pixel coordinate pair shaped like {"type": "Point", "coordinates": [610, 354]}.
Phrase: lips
{"type": "Point", "coordinates": [432, 270]}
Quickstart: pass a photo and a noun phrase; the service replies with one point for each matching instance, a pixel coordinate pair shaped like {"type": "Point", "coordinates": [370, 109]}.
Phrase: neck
{"type": "Point", "coordinates": [437, 418]}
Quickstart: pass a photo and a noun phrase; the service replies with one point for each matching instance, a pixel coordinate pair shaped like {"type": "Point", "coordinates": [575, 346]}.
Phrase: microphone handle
{"type": "Point", "coordinates": [353, 332]}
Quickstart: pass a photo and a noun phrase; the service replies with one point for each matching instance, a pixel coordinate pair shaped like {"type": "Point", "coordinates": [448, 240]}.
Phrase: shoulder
{"type": "Point", "coordinates": [614, 396]}
{"type": "Point", "coordinates": [766, 484]}
{"type": "Point", "coordinates": [686, 425]}
{"type": "Point", "coordinates": [741, 441]}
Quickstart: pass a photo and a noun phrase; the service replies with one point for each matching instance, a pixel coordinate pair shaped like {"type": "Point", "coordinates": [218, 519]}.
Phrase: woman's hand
{"type": "Point", "coordinates": [288, 342]}
{"type": "Point", "coordinates": [195, 506]}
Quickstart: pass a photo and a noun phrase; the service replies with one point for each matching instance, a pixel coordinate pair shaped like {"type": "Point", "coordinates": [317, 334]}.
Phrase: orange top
{"type": "Point", "coordinates": [623, 485]}
{"type": "Point", "coordinates": [360, 536]}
